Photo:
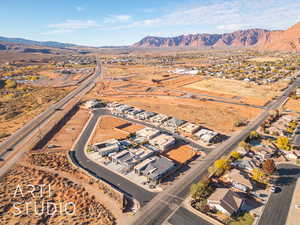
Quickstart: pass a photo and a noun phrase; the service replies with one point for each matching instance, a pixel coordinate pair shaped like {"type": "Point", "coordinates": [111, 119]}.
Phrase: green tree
{"type": "Point", "coordinates": [200, 190]}
{"type": "Point", "coordinates": [283, 143]}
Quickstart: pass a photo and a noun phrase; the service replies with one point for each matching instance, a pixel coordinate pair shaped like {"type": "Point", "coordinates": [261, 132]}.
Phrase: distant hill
{"type": "Point", "coordinates": [241, 38]}
{"type": "Point", "coordinates": [52, 44]}
{"type": "Point", "coordinates": [260, 39]}
{"type": "Point", "coordinates": [287, 40]}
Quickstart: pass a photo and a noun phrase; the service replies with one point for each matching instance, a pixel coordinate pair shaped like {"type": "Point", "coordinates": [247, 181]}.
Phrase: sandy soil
{"type": "Point", "coordinates": [107, 129]}
{"type": "Point", "coordinates": [181, 154]}
{"type": "Point", "coordinates": [292, 104]}
{"type": "Point", "coordinates": [265, 59]}
{"type": "Point", "coordinates": [238, 88]}
{"type": "Point", "coordinates": [67, 135]}
{"type": "Point", "coordinates": [216, 116]}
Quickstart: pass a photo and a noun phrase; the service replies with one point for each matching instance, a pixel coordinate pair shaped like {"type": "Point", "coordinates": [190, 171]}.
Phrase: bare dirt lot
{"type": "Point", "coordinates": [107, 129]}
{"type": "Point", "coordinates": [181, 154]}
{"type": "Point", "coordinates": [265, 59]}
{"type": "Point", "coordinates": [216, 116]}
{"type": "Point", "coordinates": [239, 88]}
{"type": "Point", "coordinates": [66, 136]}
{"type": "Point", "coordinates": [292, 104]}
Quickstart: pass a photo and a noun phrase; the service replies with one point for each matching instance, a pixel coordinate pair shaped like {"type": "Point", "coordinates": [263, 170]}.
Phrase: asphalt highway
{"type": "Point", "coordinates": [14, 144]}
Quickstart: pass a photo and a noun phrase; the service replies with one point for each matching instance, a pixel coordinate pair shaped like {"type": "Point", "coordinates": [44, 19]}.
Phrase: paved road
{"type": "Point", "coordinates": [277, 208]}
{"type": "Point", "coordinates": [131, 189]}
{"type": "Point", "coordinates": [18, 139]}
{"type": "Point", "coordinates": [185, 217]}
{"type": "Point", "coordinates": [155, 213]}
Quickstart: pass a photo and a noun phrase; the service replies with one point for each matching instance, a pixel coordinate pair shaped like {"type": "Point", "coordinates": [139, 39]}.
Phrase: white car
{"type": "Point", "coordinates": [274, 189]}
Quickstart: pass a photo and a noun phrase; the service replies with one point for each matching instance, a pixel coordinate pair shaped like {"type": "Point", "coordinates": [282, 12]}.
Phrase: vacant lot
{"type": "Point", "coordinates": [110, 127]}
{"type": "Point", "coordinates": [292, 104]}
{"type": "Point", "coordinates": [181, 154]}
{"type": "Point", "coordinates": [66, 136]}
{"type": "Point", "coordinates": [265, 59]}
{"type": "Point", "coordinates": [238, 88]}
{"type": "Point", "coordinates": [217, 116]}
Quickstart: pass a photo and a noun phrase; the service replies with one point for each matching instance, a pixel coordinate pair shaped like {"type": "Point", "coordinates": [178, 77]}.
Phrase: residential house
{"type": "Point", "coordinates": [172, 124]}
{"type": "Point", "coordinates": [145, 115]}
{"type": "Point", "coordinates": [159, 118]}
{"type": "Point", "coordinates": [107, 147]}
{"type": "Point", "coordinates": [207, 136]}
{"type": "Point", "coordinates": [146, 133]}
{"type": "Point", "coordinates": [158, 169]}
{"type": "Point", "coordinates": [226, 201]}
{"type": "Point", "coordinates": [244, 164]}
{"type": "Point", "coordinates": [239, 180]}
{"type": "Point", "coordinates": [112, 105]}
{"type": "Point", "coordinates": [93, 103]}
{"type": "Point", "coordinates": [122, 108]}
{"type": "Point", "coordinates": [132, 112]}
{"type": "Point", "coordinates": [189, 128]}
{"type": "Point", "coordinates": [163, 142]}
{"type": "Point", "coordinates": [131, 157]}
{"type": "Point", "coordinates": [142, 165]}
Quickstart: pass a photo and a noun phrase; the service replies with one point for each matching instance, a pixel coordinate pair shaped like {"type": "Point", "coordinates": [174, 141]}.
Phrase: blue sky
{"type": "Point", "coordinates": [120, 22]}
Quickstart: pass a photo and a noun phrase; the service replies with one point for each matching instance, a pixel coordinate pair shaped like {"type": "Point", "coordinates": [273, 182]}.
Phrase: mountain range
{"type": "Point", "coordinates": [261, 39]}
{"type": "Point", "coordinates": [52, 44]}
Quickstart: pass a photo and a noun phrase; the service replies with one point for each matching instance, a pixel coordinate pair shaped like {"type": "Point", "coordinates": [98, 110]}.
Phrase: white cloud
{"type": "Point", "coordinates": [226, 16]}
{"type": "Point", "coordinates": [216, 16]}
{"type": "Point", "coordinates": [70, 25]}
{"type": "Point", "coordinates": [117, 19]}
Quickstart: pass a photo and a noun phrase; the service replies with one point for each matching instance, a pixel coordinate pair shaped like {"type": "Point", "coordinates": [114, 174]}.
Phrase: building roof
{"type": "Point", "coordinates": [147, 132]}
{"type": "Point", "coordinates": [162, 140]}
{"type": "Point", "coordinates": [175, 122]}
{"type": "Point", "coordinates": [158, 167]}
{"type": "Point", "coordinates": [189, 127]}
{"type": "Point", "coordinates": [239, 177]}
{"type": "Point", "coordinates": [228, 199]}
{"type": "Point", "coordinates": [244, 164]}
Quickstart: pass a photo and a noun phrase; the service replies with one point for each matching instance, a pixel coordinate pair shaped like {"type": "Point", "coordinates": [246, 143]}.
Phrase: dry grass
{"type": "Point", "coordinates": [265, 59]}
{"type": "Point", "coordinates": [67, 135]}
{"type": "Point", "coordinates": [238, 88]}
{"type": "Point", "coordinates": [292, 104]}
{"type": "Point", "coordinates": [217, 116]}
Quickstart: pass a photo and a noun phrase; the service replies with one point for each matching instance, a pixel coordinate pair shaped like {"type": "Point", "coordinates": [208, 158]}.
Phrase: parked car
{"type": "Point", "coordinates": [275, 189]}
{"type": "Point", "coordinates": [51, 146]}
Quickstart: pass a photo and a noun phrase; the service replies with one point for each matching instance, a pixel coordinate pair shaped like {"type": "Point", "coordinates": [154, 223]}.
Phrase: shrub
{"type": "Point", "coordinates": [10, 84]}
{"type": "Point", "coordinates": [235, 155]}
{"type": "Point", "coordinates": [283, 143]}
{"type": "Point", "coordinates": [3, 135]}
